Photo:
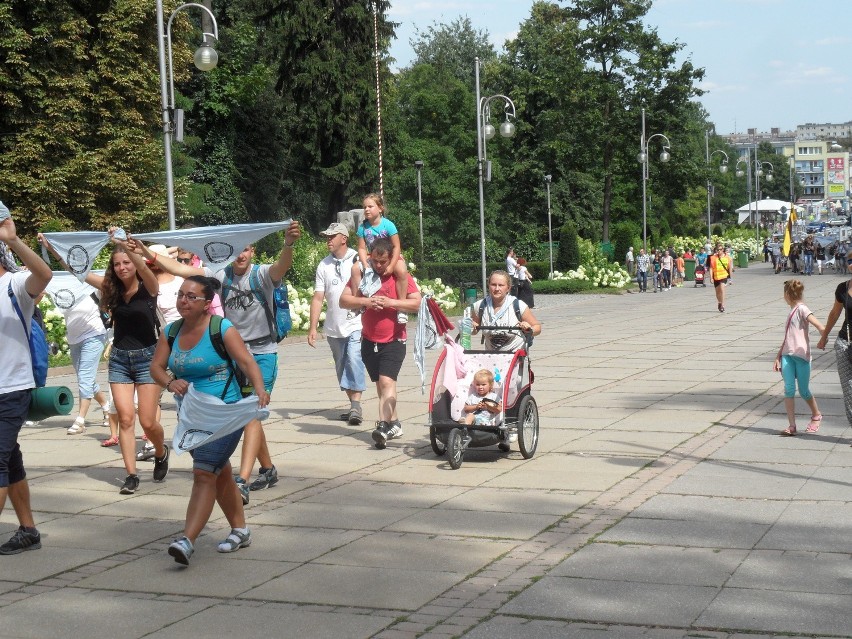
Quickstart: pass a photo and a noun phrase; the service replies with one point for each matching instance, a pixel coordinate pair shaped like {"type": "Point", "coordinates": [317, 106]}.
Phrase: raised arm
{"type": "Point", "coordinates": [279, 269]}
{"type": "Point", "coordinates": [168, 264]}
{"type": "Point", "coordinates": [40, 273]}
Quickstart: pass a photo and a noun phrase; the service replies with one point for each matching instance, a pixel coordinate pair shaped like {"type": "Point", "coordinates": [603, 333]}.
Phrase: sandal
{"type": "Point", "coordinates": [112, 441]}
{"type": "Point", "coordinates": [789, 431]}
{"type": "Point", "coordinates": [813, 425]}
{"type": "Point", "coordinates": [77, 428]}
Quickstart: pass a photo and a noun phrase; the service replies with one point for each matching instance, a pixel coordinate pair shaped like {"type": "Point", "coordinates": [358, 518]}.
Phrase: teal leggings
{"type": "Point", "coordinates": [796, 370]}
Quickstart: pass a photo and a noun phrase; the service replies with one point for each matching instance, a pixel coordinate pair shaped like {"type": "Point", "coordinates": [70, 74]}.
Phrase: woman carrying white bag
{"type": "Point", "coordinates": [193, 358]}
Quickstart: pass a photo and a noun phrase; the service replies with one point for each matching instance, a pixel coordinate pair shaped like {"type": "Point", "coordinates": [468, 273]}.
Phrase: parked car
{"type": "Point", "coordinates": [815, 227]}
{"type": "Point", "coordinates": [841, 220]}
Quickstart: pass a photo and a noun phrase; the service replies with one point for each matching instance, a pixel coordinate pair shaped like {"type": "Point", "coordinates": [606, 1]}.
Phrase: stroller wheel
{"type": "Point", "coordinates": [455, 448]}
{"type": "Point", "coordinates": [438, 447]}
{"type": "Point", "coordinates": [528, 426]}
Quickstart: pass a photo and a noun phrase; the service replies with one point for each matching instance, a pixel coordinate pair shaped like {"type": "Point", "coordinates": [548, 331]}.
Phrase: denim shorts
{"type": "Point", "coordinates": [214, 456]}
{"type": "Point", "coordinates": [14, 407]}
{"type": "Point", "coordinates": [347, 361]}
{"type": "Point", "coordinates": [131, 367]}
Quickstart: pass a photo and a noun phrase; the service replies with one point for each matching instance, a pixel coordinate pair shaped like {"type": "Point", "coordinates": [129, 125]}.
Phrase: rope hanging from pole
{"type": "Point", "coordinates": [378, 96]}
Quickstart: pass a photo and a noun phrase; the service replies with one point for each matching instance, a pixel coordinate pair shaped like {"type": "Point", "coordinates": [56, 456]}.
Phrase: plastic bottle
{"type": "Point", "coordinates": [466, 329]}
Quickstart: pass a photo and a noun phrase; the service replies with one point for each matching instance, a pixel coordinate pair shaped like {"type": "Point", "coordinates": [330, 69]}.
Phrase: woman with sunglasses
{"type": "Point", "coordinates": [193, 359]}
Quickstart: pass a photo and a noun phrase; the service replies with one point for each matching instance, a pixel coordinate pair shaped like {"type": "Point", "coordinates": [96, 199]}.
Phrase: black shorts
{"type": "Point", "coordinates": [382, 359]}
{"type": "Point", "coordinates": [720, 282]}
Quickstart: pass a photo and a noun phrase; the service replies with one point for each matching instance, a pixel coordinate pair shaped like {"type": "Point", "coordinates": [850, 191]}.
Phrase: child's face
{"type": "Point", "coordinates": [482, 387]}
{"type": "Point", "coordinates": [372, 210]}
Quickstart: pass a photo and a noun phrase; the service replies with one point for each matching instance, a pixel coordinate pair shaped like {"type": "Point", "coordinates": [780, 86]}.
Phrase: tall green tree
{"type": "Point", "coordinates": [629, 66]}
{"type": "Point", "coordinates": [79, 90]}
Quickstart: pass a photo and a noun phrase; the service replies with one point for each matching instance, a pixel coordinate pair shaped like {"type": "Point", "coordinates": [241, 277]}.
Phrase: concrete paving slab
{"type": "Point", "coordinates": [407, 551]}
{"type": "Point", "coordinates": [210, 573]}
{"type": "Point", "coordinates": [572, 472]}
{"type": "Point", "coordinates": [673, 532]}
{"type": "Point", "coordinates": [437, 471]}
{"type": "Point", "coordinates": [612, 601]}
{"type": "Point", "coordinates": [372, 587]}
{"type": "Point", "coordinates": [811, 526]}
{"type": "Point", "coordinates": [112, 534]}
{"type": "Point", "coordinates": [299, 545]}
{"type": "Point", "coordinates": [795, 571]}
{"type": "Point", "coordinates": [81, 613]}
{"type": "Point", "coordinates": [33, 566]}
{"type": "Point", "coordinates": [652, 564]}
{"type": "Point", "coordinates": [775, 611]}
{"type": "Point", "coordinates": [288, 622]}
{"type": "Point", "coordinates": [827, 483]}
{"type": "Point", "coordinates": [475, 523]}
{"type": "Point", "coordinates": [390, 495]}
{"type": "Point", "coordinates": [540, 502]}
{"type": "Point", "coordinates": [146, 505]}
{"type": "Point", "coordinates": [715, 509]}
{"type": "Point", "coordinates": [743, 479]}
{"type": "Point", "coordinates": [347, 517]}
{"type": "Point", "coordinates": [613, 440]}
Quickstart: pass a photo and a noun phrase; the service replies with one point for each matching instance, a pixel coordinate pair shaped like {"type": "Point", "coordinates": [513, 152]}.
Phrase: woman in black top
{"type": "Point", "coordinates": [129, 294]}
{"type": "Point", "coordinates": [842, 304]}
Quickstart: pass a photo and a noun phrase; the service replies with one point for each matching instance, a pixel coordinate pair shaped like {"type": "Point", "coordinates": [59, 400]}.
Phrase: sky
{"type": "Point", "coordinates": [768, 63]}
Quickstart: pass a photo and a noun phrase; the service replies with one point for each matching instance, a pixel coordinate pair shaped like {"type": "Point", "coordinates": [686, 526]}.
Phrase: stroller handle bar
{"type": "Point", "coordinates": [515, 329]}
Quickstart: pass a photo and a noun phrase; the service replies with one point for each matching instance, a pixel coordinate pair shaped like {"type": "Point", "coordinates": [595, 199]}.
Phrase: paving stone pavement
{"type": "Point", "coordinates": [661, 502]}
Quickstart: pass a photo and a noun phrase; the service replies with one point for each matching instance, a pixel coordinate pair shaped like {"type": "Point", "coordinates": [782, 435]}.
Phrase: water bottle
{"type": "Point", "coordinates": [466, 329]}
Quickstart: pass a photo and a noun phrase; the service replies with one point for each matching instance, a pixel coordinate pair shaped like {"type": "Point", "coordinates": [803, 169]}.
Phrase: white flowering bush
{"type": "Point", "coordinates": [681, 244]}
{"type": "Point", "coordinates": [300, 307]}
{"type": "Point", "coordinates": [54, 324]}
{"type": "Point", "coordinates": [446, 296]}
{"type": "Point", "coordinates": [595, 268]}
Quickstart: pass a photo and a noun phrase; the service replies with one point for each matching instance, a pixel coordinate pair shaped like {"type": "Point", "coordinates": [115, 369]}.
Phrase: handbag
{"type": "Point", "coordinates": [848, 338]}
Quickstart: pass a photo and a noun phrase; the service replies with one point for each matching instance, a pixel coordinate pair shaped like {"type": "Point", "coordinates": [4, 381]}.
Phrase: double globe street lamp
{"type": "Point", "coordinates": [754, 166]}
{"type": "Point", "coordinates": [723, 168]}
{"type": "Point", "coordinates": [205, 59]}
{"type": "Point", "coordinates": [484, 132]}
{"type": "Point", "coordinates": [665, 156]}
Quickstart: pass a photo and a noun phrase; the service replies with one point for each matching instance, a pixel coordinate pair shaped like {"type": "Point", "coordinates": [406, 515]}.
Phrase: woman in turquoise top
{"type": "Point", "coordinates": [194, 360]}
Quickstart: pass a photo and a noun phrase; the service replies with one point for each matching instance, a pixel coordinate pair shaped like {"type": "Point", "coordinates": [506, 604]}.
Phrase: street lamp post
{"type": "Point", "coordinates": [723, 168]}
{"type": "Point", "coordinates": [547, 180]}
{"type": "Point", "coordinates": [205, 59]}
{"type": "Point", "coordinates": [419, 166]}
{"type": "Point", "coordinates": [484, 132]}
{"type": "Point", "coordinates": [757, 167]}
{"type": "Point", "coordinates": [665, 156]}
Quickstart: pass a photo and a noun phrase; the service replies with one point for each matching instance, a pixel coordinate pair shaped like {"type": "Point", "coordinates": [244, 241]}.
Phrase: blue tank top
{"type": "Point", "coordinates": [201, 365]}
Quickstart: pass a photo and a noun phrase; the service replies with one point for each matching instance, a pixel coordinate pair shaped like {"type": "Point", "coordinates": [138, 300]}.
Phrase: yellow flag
{"type": "Point", "coordinates": [787, 239]}
{"type": "Point", "coordinates": [792, 213]}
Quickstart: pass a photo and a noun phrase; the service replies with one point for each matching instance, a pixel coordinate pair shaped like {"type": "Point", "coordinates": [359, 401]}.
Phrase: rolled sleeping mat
{"type": "Point", "coordinates": [50, 401]}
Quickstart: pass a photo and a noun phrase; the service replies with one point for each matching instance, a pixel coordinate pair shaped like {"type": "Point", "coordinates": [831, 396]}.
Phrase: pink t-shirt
{"type": "Point", "coordinates": [796, 341]}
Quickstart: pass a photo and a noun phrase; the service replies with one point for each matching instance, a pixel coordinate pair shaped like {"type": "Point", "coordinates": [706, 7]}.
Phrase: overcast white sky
{"type": "Point", "coordinates": [768, 62]}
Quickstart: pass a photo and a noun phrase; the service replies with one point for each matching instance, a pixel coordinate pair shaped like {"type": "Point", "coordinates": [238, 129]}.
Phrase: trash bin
{"type": "Point", "coordinates": [689, 269]}
{"type": "Point", "coordinates": [468, 293]}
{"type": "Point", "coordinates": [742, 258]}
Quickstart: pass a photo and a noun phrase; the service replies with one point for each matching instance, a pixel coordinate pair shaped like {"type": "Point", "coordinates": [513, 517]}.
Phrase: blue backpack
{"type": "Point", "coordinates": [39, 351]}
{"type": "Point", "coordinates": [280, 323]}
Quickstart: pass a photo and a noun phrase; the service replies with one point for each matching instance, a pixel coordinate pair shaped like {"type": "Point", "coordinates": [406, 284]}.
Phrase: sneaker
{"type": "Point", "coordinates": [513, 437]}
{"type": "Point", "coordinates": [22, 540]}
{"type": "Point", "coordinates": [78, 427]}
{"type": "Point", "coordinates": [181, 549]}
{"type": "Point", "coordinates": [146, 452]}
{"type": "Point", "coordinates": [265, 479]}
{"type": "Point", "coordinates": [161, 465]}
{"type": "Point", "coordinates": [236, 540]}
{"type": "Point", "coordinates": [244, 489]}
{"type": "Point", "coordinates": [380, 435]}
{"type": "Point", "coordinates": [355, 416]}
{"type": "Point", "coordinates": [131, 485]}
{"type": "Point", "coordinates": [402, 317]}
{"type": "Point", "coordinates": [395, 430]}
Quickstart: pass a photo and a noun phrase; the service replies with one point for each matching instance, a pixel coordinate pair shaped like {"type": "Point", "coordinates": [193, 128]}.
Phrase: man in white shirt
{"type": "Point", "coordinates": [16, 376]}
{"type": "Point", "coordinates": [342, 334]}
{"type": "Point", "coordinates": [628, 261]}
{"type": "Point", "coordinates": [512, 270]}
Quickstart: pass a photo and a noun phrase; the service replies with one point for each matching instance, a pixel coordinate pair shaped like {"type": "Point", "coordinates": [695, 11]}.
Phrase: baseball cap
{"type": "Point", "coordinates": [335, 228]}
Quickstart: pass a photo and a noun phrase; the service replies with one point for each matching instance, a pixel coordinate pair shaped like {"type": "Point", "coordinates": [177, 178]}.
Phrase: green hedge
{"type": "Point", "coordinates": [456, 274]}
{"type": "Point", "coordinates": [555, 287]}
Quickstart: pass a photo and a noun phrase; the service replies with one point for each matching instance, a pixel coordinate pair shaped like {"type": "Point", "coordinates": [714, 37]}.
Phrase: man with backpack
{"type": "Point", "coordinates": [18, 290]}
{"type": "Point", "coordinates": [247, 297]}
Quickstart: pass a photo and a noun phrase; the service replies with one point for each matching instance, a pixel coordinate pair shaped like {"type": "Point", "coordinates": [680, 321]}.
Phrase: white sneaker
{"type": "Point", "coordinates": [78, 427]}
{"type": "Point", "coordinates": [513, 437]}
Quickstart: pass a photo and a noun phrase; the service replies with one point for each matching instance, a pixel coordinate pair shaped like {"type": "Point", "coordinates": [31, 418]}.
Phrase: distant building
{"type": "Point", "coordinates": [826, 131]}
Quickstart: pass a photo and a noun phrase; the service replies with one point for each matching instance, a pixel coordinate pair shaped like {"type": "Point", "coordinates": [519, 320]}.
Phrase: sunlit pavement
{"type": "Point", "coordinates": [661, 502]}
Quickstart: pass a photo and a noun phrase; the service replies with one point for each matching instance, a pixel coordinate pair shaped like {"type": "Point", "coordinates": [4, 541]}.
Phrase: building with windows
{"type": "Point", "coordinates": [825, 131]}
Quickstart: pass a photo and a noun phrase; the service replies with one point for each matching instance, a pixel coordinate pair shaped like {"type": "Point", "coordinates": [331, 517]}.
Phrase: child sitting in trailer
{"type": "Point", "coordinates": [482, 405]}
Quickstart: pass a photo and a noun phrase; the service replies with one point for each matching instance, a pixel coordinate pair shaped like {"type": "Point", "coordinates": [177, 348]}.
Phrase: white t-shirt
{"type": "Point", "coordinates": [331, 277]}
{"type": "Point", "coordinates": [511, 266]}
{"type": "Point", "coordinates": [244, 310]}
{"type": "Point", "coordinates": [16, 373]}
{"type": "Point", "coordinates": [522, 273]}
{"type": "Point", "coordinates": [505, 316]}
{"type": "Point", "coordinates": [82, 321]}
{"type": "Point", "coordinates": [167, 299]}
